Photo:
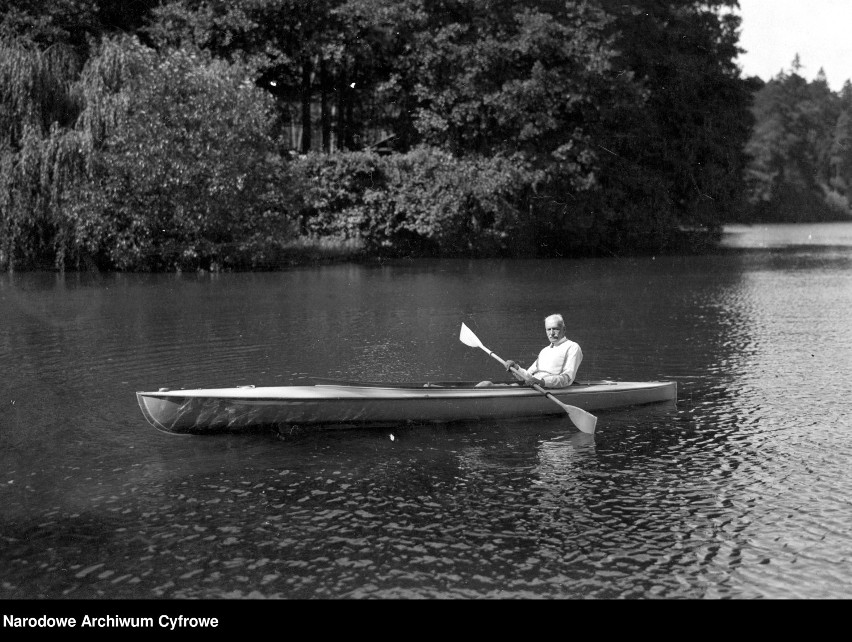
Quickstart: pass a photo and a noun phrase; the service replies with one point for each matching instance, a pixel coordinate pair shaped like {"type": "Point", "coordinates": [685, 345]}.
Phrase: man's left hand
{"type": "Point", "coordinates": [530, 380]}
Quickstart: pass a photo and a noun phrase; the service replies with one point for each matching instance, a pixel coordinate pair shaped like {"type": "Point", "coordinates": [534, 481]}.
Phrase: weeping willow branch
{"type": "Point", "coordinates": [35, 88]}
{"type": "Point", "coordinates": [53, 117]}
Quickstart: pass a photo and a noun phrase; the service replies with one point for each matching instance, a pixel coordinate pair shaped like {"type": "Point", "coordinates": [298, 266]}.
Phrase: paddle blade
{"type": "Point", "coordinates": [584, 421]}
{"type": "Point", "coordinates": [467, 337]}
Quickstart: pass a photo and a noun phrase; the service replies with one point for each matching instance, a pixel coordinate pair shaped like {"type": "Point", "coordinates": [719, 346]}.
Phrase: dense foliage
{"type": "Point", "coordinates": [167, 165]}
{"type": "Point", "coordinates": [686, 146]}
{"type": "Point", "coordinates": [212, 134]}
{"type": "Point", "coordinates": [423, 202]}
{"type": "Point", "coordinates": [801, 167]}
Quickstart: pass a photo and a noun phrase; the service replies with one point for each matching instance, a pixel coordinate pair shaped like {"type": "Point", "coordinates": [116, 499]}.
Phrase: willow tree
{"type": "Point", "coordinates": [38, 160]}
{"type": "Point", "coordinates": [55, 117]}
{"type": "Point", "coordinates": [166, 162]}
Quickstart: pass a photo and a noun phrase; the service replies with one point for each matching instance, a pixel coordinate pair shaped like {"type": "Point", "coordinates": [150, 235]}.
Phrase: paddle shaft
{"type": "Point", "coordinates": [505, 365]}
{"type": "Point", "coordinates": [534, 385]}
{"type": "Point", "coordinates": [544, 392]}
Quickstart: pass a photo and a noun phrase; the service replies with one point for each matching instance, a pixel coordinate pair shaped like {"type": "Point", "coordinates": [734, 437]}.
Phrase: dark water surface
{"type": "Point", "coordinates": [741, 490]}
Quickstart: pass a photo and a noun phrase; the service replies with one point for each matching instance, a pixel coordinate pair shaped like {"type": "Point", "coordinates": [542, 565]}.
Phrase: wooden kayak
{"type": "Point", "coordinates": [346, 405]}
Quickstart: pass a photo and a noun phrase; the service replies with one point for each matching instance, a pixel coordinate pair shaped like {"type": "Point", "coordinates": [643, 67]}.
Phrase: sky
{"type": "Point", "coordinates": [774, 31]}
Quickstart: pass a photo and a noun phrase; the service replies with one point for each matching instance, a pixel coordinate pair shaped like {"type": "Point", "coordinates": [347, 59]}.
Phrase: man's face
{"type": "Point", "coordinates": [555, 332]}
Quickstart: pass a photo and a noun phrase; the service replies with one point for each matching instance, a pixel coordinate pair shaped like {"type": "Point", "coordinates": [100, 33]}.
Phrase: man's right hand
{"type": "Point", "coordinates": [510, 363]}
{"type": "Point", "coordinates": [519, 373]}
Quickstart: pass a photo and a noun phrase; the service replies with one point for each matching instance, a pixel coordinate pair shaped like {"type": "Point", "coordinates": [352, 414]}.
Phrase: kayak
{"type": "Point", "coordinates": [346, 405]}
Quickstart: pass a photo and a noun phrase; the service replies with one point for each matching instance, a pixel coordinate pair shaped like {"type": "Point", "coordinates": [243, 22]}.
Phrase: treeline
{"type": "Point", "coordinates": [160, 136]}
{"type": "Point", "coordinates": [800, 150]}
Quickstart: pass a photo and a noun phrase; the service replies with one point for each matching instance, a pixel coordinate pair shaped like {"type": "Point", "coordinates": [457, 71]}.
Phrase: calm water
{"type": "Point", "coordinates": [741, 490]}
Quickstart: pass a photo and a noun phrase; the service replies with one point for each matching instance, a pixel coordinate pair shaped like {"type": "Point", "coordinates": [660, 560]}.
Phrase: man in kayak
{"type": "Point", "coordinates": [557, 363]}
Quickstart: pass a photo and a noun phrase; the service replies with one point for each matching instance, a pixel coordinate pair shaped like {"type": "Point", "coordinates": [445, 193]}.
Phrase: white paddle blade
{"type": "Point", "coordinates": [467, 337]}
{"type": "Point", "coordinates": [584, 421]}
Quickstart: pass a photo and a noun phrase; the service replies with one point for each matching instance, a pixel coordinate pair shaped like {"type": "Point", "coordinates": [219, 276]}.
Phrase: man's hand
{"type": "Point", "coordinates": [522, 375]}
{"type": "Point", "coordinates": [527, 378]}
{"type": "Point", "coordinates": [516, 370]}
{"type": "Point", "coordinates": [530, 380]}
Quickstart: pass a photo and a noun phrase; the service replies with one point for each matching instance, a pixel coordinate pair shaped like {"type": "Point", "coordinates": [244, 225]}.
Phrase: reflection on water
{"type": "Point", "coordinates": [785, 236]}
{"type": "Point", "coordinates": [739, 490]}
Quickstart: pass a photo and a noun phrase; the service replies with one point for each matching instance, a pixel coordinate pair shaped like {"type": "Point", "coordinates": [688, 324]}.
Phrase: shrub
{"type": "Point", "coordinates": [187, 176]}
{"type": "Point", "coordinates": [425, 202]}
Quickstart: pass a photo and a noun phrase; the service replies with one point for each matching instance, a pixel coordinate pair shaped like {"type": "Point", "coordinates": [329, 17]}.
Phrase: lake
{"type": "Point", "coordinates": [740, 490]}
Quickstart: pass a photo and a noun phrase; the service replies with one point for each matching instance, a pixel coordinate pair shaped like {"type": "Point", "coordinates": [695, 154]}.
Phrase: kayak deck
{"type": "Point", "coordinates": [346, 404]}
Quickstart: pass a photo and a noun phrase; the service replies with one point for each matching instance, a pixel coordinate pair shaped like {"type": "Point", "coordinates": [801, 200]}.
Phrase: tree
{"type": "Point", "coordinates": [508, 76]}
{"type": "Point", "coordinates": [185, 176]}
{"type": "Point", "coordinates": [168, 164]}
{"type": "Point", "coordinates": [792, 151]}
{"type": "Point", "coordinates": [689, 141]}
{"type": "Point", "coordinates": [37, 104]}
{"type": "Point", "coordinates": [840, 160]}
{"type": "Point", "coordinates": [74, 23]}
{"type": "Point", "coordinates": [301, 49]}
{"type": "Point", "coordinates": [531, 81]}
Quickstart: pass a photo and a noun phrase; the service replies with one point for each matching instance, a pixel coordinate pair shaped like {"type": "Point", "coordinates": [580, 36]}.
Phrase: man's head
{"type": "Point", "coordinates": [554, 325]}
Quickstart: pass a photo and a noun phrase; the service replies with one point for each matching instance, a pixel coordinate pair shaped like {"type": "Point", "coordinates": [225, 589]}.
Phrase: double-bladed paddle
{"type": "Point", "coordinates": [583, 420]}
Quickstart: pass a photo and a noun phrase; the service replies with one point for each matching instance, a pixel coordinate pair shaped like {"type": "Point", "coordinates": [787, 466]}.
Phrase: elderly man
{"type": "Point", "coordinates": [557, 363]}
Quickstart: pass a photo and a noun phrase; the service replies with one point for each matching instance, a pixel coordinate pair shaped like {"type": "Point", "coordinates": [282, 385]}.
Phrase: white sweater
{"type": "Point", "coordinates": [557, 364]}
